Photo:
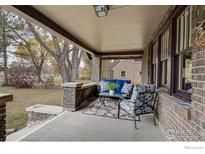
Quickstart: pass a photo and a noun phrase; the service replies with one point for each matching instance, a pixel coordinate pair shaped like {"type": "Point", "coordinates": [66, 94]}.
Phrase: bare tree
{"type": "Point", "coordinates": [66, 55]}
{"type": "Point", "coordinates": [34, 52]}
{"type": "Point", "coordinates": [20, 38]}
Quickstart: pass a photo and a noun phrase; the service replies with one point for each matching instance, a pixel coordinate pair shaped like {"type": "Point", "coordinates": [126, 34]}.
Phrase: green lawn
{"type": "Point", "coordinates": [23, 98]}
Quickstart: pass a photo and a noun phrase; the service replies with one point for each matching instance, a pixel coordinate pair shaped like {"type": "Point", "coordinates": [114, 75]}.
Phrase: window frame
{"type": "Point", "coordinates": [172, 62]}
{"type": "Point", "coordinates": [121, 74]}
{"type": "Point", "coordinates": [154, 64]}
{"type": "Point", "coordinates": [164, 87]}
{"type": "Point", "coordinates": [177, 51]}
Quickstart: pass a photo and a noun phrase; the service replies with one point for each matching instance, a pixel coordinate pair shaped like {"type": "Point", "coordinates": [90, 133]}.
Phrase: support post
{"type": "Point", "coordinates": [96, 68]}
{"type": "Point", "coordinates": [71, 95]}
{"type": "Point", "coordinates": [3, 99]}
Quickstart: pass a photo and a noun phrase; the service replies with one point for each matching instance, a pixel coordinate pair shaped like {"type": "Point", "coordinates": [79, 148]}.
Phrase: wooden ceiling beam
{"type": "Point", "coordinates": [122, 53]}
{"type": "Point", "coordinates": [122, 57]}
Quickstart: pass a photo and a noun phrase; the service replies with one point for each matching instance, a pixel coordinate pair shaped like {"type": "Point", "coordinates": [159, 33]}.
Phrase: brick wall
{"type": "Point", "coordinates": [3, 99]}
{"type": "Point", "coordinates": [178, 120]}
{"type": "Point", "coordinates": [198, 73]}
{"type": "Point", "coordinates": [2, 120]}
{"type": "Point", "coordinates": [77, 95]}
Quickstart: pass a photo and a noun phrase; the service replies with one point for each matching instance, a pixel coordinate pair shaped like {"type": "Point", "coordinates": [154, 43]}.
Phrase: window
{"type": "Point", "coordinates": [183, 54]}
{"type": "Point", "coordinates": [185, 78]}
{"type": "Point", "coordinates": [140, 73]}
{"type": "Point", "coordinates": [122, 74]}
{"type": "Point", "coordinates": [164, 58]}
{"type": "Point", "coordinates": [154, 62]}
{"type": "Point", "coordinates": [171, 55]}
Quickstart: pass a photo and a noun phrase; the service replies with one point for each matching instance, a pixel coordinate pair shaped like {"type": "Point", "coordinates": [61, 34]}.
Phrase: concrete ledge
{"type": "Point", "coordinates": [71, 84]}
{"type": "Point", "coordinates": [6, 97]}
{"type": "Point", "coordinates": [47, 109]}
{"type": "Point", "coordinates": [40, 113]}
{"type": "Point", "coordinates": [88, 85]}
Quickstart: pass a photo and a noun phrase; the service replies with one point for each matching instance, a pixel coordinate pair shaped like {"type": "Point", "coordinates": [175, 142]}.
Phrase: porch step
{"type": "Point", "coordinates": [40, 113]}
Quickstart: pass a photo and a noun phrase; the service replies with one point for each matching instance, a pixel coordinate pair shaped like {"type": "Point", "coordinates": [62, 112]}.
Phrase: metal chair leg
{"type": "Point", "coordinates": [136, 124]}
{"type": "Point", "coordinates": [154, 118]}
{"type": "Point", "coordinates": [118, 114]}
{"type": "Point", "coordinates": [139, 118]}
{"type": "Point", "coordinates": [135, 120]}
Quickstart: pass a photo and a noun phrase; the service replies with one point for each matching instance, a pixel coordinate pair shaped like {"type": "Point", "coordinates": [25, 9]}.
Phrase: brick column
{"type": "Point", "coordinates": [71, 95]}
{"type": "Point", "coordinates": [96, 68]}
{"type": "Point", "coordinates": [3, 99]}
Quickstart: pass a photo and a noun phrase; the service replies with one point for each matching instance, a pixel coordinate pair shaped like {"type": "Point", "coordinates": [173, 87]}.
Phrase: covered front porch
{"type": "Point", "coordinates": [76, 126]}
{"type": "Point", "coordinates": [128, 32]}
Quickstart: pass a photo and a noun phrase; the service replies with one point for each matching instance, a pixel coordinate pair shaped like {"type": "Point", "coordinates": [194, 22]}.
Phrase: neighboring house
{"type": "Point", "coordinates": [124, 69]}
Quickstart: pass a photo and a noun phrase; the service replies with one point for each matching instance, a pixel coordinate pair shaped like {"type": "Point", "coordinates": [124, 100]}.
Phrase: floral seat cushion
{"type": "Point", "coordinates": [136, 91]}
{"type": "Point", "coordinates": [127, 105]}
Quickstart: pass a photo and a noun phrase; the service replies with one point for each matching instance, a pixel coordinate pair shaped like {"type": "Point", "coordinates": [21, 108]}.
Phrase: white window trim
{"type": "Point", "coordinates": [121, 74]}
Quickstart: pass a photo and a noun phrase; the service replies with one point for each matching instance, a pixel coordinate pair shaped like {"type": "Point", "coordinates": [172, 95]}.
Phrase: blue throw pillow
{"type": "Point", "coordinates": [120, 84]}
{"type": "Point", "coordinates": [103, 86]}
{"type": "Point", "coordinates": [126, 89]}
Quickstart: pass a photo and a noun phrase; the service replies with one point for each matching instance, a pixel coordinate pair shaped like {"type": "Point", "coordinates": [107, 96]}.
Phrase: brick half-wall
{"type": "Point", "coordinates": [78, 95]}
{"type": "Point", "coordinates": [3, 99]}
{"type": "Point", "coordinates": [2, 121]}
{"type": "Point", "coordinates": [175, 120]}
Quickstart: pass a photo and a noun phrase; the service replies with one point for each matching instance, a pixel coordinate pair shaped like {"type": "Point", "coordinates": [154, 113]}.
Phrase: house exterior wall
{"type": "Point", "coordinates": [179, 122]}
{"type": "Point", "coordinates": [131, 69]}
{"type": "Point", "coordinates": [109, 74]}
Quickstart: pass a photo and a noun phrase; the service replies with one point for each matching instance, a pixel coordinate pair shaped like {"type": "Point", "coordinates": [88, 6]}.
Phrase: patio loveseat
{"type": "Point", "coordinates": [118, 90]}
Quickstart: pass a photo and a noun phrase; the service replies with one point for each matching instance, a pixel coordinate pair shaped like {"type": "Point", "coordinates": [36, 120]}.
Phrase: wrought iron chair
{"type": "Point", "coordinates": [145, 103]}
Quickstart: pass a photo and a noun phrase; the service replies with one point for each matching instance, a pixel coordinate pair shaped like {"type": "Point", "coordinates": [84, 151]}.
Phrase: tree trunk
{"type": "Point", "coordinates": [4, 53]}
{"type": "Point", "coordinates": [38, 72]}
{"type": "Point", "coordinates": [64, 72]}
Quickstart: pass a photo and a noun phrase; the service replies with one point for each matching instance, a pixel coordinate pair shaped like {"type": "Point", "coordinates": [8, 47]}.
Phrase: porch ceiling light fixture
{"type": "Point", "coordinates": [101, 10]}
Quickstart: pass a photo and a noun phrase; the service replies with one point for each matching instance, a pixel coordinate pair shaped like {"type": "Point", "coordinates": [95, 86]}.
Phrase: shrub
{"type": "Point", "coordinates": [49, 83]}
{"type": "Point", "coordinates": [21, 76]}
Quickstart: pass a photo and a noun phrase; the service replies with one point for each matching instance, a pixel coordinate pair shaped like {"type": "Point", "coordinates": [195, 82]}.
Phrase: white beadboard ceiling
{"type": "Point", "coordinates": [125, 28]}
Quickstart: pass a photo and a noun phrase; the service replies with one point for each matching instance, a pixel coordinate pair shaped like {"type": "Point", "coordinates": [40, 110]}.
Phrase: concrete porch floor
{"type": "Point", "coordinates": [76, 126]}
